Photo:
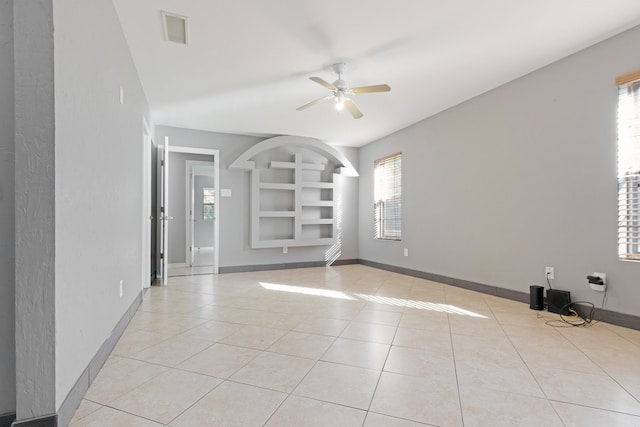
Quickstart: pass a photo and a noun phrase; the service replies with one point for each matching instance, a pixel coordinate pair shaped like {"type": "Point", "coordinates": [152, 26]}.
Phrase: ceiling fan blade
{"type": "Point", "coordinates": [312, 103]}
{"type": "Point", "coordinates": [371, 89]}
{"type": "Point", "coordinates": [351, 106]}
{"type": "Point", "coordinates": [323, 83]}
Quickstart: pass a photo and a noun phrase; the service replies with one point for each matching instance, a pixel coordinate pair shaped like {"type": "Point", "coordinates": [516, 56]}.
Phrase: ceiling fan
{"type": "Point", "coordinates": [341, 92]}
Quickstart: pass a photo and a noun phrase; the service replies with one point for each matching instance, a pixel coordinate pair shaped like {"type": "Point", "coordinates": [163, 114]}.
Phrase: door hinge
{"type": "Point", "coordinates": [161, 209]}
{"type": "Point", "coordinates": [161, 162]}
{"type": "Point", "coordinates": [161, 256]}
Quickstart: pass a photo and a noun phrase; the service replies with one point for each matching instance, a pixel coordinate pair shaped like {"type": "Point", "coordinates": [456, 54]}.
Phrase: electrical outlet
{"type": "Point", "coordinates": [599, 288]}
{"type": "Point", "coordinates": [548, 273]}
{"type": "Point", "coordinates": [285, 250]}
{"type": "Point", "coordinates": [121, 288]}
{"type": "Point", "coordinates": [406, 251]}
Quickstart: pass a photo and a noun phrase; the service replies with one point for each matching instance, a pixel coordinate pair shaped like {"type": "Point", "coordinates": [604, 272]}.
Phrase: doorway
{"type": "Point", "coordinates": [180, 251]}
{"type": "Point", "coordinates": [200, 213]}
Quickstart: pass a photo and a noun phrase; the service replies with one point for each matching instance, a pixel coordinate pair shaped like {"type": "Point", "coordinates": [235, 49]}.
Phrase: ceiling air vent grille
{"type": "Point", "coordinates": [175, 28]}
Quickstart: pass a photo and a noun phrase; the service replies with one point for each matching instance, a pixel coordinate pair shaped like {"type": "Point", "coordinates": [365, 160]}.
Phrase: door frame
{"type": "Point", "coordinates": [216, 185]}
{"type": "Point", "coordinates": [190, 205]}
{"type": "Point", "coordinates": [147, 141]}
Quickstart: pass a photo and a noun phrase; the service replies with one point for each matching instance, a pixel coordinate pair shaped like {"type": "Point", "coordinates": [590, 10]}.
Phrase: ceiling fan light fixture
{"type": "Point", "coordinates": [340, 103]}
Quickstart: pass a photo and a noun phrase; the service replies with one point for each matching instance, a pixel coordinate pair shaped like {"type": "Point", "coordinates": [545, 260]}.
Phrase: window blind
{"type": "Point", "coordinates": [388, 197]}
{"type": "Point", "coordinates": [629, 166]}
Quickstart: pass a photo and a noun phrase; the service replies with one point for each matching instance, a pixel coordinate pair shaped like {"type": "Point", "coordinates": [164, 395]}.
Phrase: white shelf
{"type": "Point", "coordinates": [277, 214]}
{"type": "Point", "coordinates": [309, 198]}
{"type": "Point", "coordinates": [327, 185]}
{"type": "Point", "coordinates": [277, 186]}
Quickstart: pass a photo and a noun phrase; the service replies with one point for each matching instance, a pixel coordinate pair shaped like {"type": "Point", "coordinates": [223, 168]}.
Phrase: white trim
{"type": "Point", "coordinates": [145, 232]}
{"type": "Point", "coordinates": [244, 161]}
{"type": "Point", "coordinates": [216, 209]}
{"type": "Point", "coordinates": [190, 205]}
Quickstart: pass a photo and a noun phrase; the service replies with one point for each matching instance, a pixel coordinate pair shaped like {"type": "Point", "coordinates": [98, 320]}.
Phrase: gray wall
{"type": "Point", "coordinates": [99, 153]}
{"type": "Point", "coordinates": [234, 218]}
{"type": "Point", "coordinates": [34, 208]}
{"type": "Point", "coordinates": [7, 256]}
{"type": "Point", "coordinates": [202, 230]}
{"type": "Point", "coordinates": [514, 180]}
{"type": "Point", "coordinates": [178, 202]}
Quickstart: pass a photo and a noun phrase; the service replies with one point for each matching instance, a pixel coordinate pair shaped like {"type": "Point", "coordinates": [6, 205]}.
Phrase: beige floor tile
{"type": "Point", "coordinates": [425, 319]}
{"type": "Point", "coordinates": [378, 420]}
{"type": "Point", "coordinates": [86, 408]}
{"type": "Point", "coordinates": [301, 344]}
{"type": "Point", "coordinates": [302, 412]}
{"type": "Point", "coordinates": [510, 362]}
{"type": "Point", "coordinates": [582, 416]}
{"type": "Point", "coordinates": [173, 351]}
{"type": "Point", "coordinates": [232, 404]}
{"type": "Point", "coordinates": [536, 354]}
{"type": "Point", "coordinates": [341, 384]}
{"type": "Point", "coordinates": [118, 376]}
{"type": "Point", "coordinates": [475, 326]}
{"type": "Point", "coordinates": [322, 326]}
{"type": "Point", "coordinates": [419, 363]}
{"type": "Point", "coordinates": [379, 316]}
{"type": "Point", "coordinates": [489, 408]}
{"type": "Point", "coordinates": [109, 417]}
{"type": "Point", "coordinates": [596, 391]}
{"type": "Point", "coordinates": [166, 396]}
{"type": "Point", "coordinates": [435, 341]}
{"type": "Point", "coordinates": [274, 371]}
{"type": "Point", "coordinates": [134, 341]}
{"type": "Point", "coordinates": [219, 360]}
{"type": "Point", "coordinates": [164, 324]}
{"type": "Point", "coordinates": [371, 332]}
{"type": "Point", "coordinates": [485, 350]}
{"type": "Point", "coordinates": [431, 400]}
{"type": "Point", "coordinates": [511, 379]}
{"type": "Point", "coordinates": [212, 331]}
{"type": "Point", "coordinates": [255, 337]}
{"type": "Point", "coordinates": [357, 353]}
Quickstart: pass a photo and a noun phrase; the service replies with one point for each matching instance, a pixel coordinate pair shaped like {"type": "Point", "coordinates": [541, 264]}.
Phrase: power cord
{"type": "Point", "coordinates": [548, 282]}
{"type": "Point", "coordinates": [569, 321]}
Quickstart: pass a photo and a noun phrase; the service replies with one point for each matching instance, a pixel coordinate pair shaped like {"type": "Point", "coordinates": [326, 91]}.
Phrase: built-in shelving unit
{"type": "Point", "coordinates": [297, 210]}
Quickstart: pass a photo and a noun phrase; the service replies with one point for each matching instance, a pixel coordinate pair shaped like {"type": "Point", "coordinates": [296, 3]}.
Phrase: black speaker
{"type": "Point", "coordinates": [536, 297]}
{"type": "Point", "coordinates": [558, 301]}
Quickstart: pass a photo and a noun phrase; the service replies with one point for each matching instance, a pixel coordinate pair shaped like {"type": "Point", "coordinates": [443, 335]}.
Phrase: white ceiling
{"type": "Point", "coordinates": [247, 65]}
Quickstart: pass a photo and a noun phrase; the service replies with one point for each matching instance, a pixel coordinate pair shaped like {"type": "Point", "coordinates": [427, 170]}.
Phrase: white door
{"type": "Point", "coordinates": [192, 216]}
{"type": "Point", "coordinates": [164, 209]}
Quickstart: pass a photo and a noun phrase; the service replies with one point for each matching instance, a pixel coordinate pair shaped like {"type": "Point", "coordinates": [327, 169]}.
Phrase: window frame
{"type": "Point", "coordinates": [628, 171]}
{"type": "Point", "coordinates": [387, 189]}
{"type": "Point", "coordinates": [208, 204]}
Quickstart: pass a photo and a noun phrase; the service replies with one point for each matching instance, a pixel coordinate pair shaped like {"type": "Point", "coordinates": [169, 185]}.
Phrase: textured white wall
{"type": "Point", "coordinates": [514, 180]}
{"type": "Point", "coordinates": [7, 252]}
{"type": "Point", "coordinates": [99, 146]}
{"type": "Point", "coordinates": [34, 207]}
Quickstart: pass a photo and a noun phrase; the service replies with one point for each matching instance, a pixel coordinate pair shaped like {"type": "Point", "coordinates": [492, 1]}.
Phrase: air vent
{"type": "Point", "coordinates": [175, 28]}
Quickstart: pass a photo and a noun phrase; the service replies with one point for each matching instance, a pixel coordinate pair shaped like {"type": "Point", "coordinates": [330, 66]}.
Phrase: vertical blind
{"type": "Point", "coordinates": [388, 197]}
{"type": "Point", "coordinates": [629, 166]}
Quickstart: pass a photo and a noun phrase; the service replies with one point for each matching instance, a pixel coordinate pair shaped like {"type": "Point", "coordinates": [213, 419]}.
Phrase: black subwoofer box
{"type": "Point", "coordinates": [536, 297]}
{"type": "Point", "coordinates": [558, 301]}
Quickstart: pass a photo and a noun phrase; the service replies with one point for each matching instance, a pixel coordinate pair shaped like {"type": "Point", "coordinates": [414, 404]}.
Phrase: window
{"type": "Point", "coordinates": [208, 200]}
{"type": "Point", "coordinates": [387, 175]}
{"type": "Point", "coordinates": [629, 166]}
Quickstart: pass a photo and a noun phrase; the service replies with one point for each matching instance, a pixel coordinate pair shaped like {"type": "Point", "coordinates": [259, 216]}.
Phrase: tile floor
{"type": "Point", "coordinates": [357, 346]}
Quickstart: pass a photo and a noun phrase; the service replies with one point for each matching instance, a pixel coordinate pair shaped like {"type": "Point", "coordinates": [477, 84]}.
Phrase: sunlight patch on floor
{"type": "Point", "coordinates": [306, 291]}
{"type": "Point", "coordinates": [399, 302]}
